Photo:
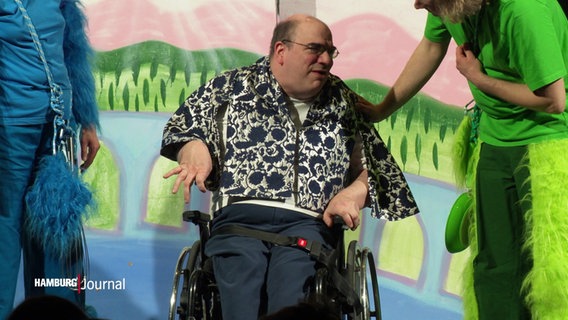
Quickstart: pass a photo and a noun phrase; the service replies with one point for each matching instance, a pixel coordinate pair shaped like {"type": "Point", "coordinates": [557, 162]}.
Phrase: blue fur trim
{"type": "Point", "coordinates": [57, 203]}
{"type": "Point", "coordinates": [78, 58]}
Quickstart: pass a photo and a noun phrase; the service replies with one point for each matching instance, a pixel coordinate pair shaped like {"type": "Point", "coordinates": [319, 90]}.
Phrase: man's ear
{"type": "Point", "coordinates": [279, 50]}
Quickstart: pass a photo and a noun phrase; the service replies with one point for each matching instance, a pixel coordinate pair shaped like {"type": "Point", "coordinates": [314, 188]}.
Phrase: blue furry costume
{"type": "Point", "coordinates": [26, 131]}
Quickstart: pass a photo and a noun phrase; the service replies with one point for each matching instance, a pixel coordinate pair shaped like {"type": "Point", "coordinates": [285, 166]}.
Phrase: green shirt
{"type": "Point", "coordinates": [521, 41]}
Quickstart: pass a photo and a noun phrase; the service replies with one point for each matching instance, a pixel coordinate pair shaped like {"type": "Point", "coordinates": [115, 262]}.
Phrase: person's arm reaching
{"type": "Point", "coordinates": [422, 64]}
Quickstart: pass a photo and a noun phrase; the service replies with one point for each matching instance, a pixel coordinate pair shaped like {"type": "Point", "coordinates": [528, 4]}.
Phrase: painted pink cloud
{"type": "Point", "coordinates": [372, 46]}
{"type": "Point", "coordinates": [375, 47]}
{"type": "Point", "coordinates": [114, 24]}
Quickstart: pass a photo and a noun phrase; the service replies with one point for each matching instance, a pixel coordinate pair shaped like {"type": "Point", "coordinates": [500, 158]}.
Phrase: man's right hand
{"type": "Point", "coordinates": [195, 165]}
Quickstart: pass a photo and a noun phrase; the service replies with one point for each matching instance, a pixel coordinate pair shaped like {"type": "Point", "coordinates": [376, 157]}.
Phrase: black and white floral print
{"type": "Point", "coordinates": [266, 157]}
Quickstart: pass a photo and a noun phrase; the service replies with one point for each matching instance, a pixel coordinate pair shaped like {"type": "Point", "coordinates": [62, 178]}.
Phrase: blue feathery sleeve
{"type": "Point", "coordinates": [78, 58]}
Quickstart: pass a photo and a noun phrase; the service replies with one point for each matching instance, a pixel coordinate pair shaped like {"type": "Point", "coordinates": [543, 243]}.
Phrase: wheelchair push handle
{"type": "Point", "coordinates": [339, 223]}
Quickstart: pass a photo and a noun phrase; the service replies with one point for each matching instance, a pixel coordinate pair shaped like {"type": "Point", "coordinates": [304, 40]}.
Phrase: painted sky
{"type": "Point", "coordinates": [375, 37]}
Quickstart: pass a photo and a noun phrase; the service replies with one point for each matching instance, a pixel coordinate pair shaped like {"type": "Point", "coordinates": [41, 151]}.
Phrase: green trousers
{"type": "Point", "coordinates": [503, 198]}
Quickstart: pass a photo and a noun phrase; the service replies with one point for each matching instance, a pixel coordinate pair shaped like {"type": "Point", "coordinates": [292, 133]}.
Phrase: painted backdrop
{"type": "Point", "coordinates": [151, 54]}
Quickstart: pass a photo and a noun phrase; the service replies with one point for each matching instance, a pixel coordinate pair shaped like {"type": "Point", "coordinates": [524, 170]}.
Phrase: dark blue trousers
{"type": "Point", "coordinates": [255, 277]}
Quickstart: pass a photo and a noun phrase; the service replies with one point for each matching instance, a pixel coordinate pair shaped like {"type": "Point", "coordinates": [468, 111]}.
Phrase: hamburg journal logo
{"type": "Point", "coordinates": [81, 283]}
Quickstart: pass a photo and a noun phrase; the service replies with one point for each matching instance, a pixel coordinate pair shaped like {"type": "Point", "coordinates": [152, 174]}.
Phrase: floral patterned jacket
{"type": "Point", "coordinates": [266, 157]}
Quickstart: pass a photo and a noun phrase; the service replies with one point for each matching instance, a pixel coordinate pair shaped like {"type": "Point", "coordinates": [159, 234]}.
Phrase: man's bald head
{"type": "Point", "coordinates": [286, 28]}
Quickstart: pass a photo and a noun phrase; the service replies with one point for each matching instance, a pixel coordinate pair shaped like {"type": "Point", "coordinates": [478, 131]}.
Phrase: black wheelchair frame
{"type": "Point", "coordinates": [342, 282]}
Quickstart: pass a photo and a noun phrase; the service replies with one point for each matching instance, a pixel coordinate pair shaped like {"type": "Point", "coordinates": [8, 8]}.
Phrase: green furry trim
{"type": "Point", "coordinates": [461, 150]}
{"type": "Point", "coordinates": [465, 156]}
{"type": "Point", "coordinates": [547, 283]}
{"type": "Point", "coordinates": [468, 295]}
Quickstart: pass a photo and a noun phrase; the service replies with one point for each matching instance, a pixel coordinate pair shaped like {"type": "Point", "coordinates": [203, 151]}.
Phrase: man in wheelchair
{"type": "Point", "coordinates": [283, 151]}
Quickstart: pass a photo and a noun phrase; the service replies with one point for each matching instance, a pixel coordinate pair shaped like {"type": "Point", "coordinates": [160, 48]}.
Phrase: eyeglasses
{"type": "Point", "coordinates": [317, 48]}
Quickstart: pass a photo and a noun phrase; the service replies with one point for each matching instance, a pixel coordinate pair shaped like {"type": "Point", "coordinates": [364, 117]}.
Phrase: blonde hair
{"type": "Point", "coordinates": [457, 10]}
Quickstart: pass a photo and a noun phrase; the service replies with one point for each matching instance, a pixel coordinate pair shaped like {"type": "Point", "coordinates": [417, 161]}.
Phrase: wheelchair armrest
{"type": "Point", "coordinates": [196, 217]}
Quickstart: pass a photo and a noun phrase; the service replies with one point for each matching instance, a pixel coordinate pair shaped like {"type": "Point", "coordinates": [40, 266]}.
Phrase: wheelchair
{"type": "Point", "coordinates": [345, 280]}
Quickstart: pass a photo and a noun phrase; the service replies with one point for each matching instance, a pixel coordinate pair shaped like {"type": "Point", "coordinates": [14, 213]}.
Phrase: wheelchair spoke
{"type": "Point", "coordinates": [363, 290]}
{"type": "Point", "coordinates": [179, 303]}
{"type": "Point", "coordinates": [179, 273]}
{"type": "Point", "coordinates": [374, 287]}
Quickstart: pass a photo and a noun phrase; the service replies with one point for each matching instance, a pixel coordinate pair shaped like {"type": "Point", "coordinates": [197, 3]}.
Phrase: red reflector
{"type": "Point", "coordinates": [302, 242]}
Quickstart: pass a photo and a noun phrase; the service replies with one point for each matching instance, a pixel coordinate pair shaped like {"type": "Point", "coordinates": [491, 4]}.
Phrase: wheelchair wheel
{"type": "Point", "coordinates": [321, 284]}
{"type": "Point", "coordinates": [203, 301]}
{"type": "Point", "coordinates": [361, 268]}
{"type": "Point", "coordinates": [186, 263]}
{"type": "Point", "coordinates": [372, 271]}
{"type": "Point", "coordinates": [357, 282]}
{"type": "Point", "coordinates": [325, 293]}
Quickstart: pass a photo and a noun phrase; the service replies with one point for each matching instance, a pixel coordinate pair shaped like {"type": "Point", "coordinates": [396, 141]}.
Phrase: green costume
{"type": "Point", "coordinates": [521, 210]}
